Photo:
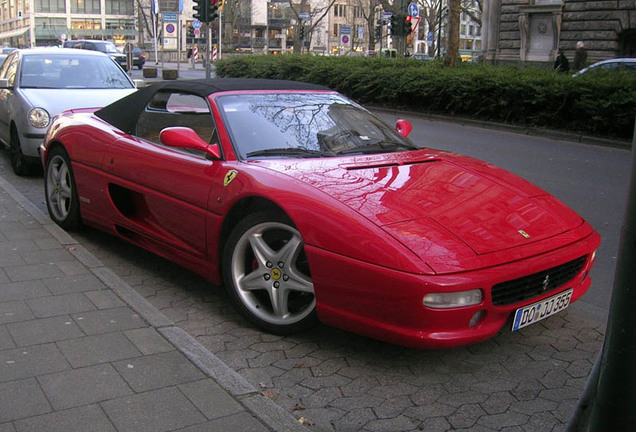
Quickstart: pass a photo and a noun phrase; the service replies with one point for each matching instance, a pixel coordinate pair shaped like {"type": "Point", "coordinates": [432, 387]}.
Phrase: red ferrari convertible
{"type": "Point", "coordinates": [308, 208]}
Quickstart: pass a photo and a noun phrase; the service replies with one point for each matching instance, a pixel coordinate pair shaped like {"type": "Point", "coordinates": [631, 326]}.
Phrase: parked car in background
{"type": "Point", "coordinates": [138, 56]}
{"type": "Point", "coordinates": [106, 47]}
{"type": "Point", "coordinates": [423, 57]}
{"type": "Point", "coordinates": [627, 64]}
{"type": "Point", "coordinates": [37, 84]}
{"type": "Point", "coordinates": [8, 50]}
{"type": "Point", "coordinates": [307, 207]}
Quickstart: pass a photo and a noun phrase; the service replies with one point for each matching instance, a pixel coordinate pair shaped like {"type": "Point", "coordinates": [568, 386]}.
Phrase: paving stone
{"type": "Point", "coordinates": [5, 339]}
{"type": "Point", "coordinates": [424, 412]}
{"type": "Point", "coordinates": [49, 256]}
{"type": "Point", "coordinates": [7, 427]}
{"type": "Point", "coordinates": [332, 381]}
{"type": "Point", "coordinates": [108, 320]}
{"type": "Point", "coordinates": [354, 420]}
{"type": "Point", "coordinates": [292, 377]}
{"type": "Point", "coordinates": [396, 425]}
{"type": "Point", "coordinates": [22, 399]}
{"type": "Point", "coordinates": [104, 299]}
{"type": "Point", "coordinates": [239, 422]}
{"type": "Point", "coordinates": [65, 304]}
{"type": "Point", "coordinates": [322, 398]}
{"type": "Point", "coordinates": [501, 421]}
{"type": "Point", "coordinates": [72, 284]}
{"type": "Point", "coordinates": [44, 330]}
{"type": "Point", "coordinates": [498, 403]}
{"type": "Point", "coordinates": [165, 410]}
{"type": "Point", "coordinates": [31, 361]}
{"type": "Point", "coordinates": [72, 268]}
{"type": "Point", "coordinates": [14, 312]}
{"type": "Point", "coordinates": [356, 402]}
{"type": "Point", "coordinates": [32, 272]}
{"type": "Point", "coordinates": [265, 359]}
{"type": "Point", "coordinates": [22, 291]}
{"type": "Point", "coordinates": [211, 399]}
{"type": "Point", "coordinates": [534, 406]}
{"type": "Point", "coordinates": [148, 341]}
{"type": "Point", "coordinates": [393, 407]}
{"type": "Point", "coordinates": [155, 371]}
{"type": "Point", "coordinates": [86, 418]}
{"type": "Point", "coordinates": [77, 387]}
{"type": "Point", "coordinates": [466, 416]}
{"type": "Point", "coordinates": [93, 350]}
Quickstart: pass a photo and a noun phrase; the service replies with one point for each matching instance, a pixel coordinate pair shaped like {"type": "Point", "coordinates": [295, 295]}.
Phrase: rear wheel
{"type": "Point", "coordinates": [60, 190]}
{"type": "Point", "coordinates": [267, 276]}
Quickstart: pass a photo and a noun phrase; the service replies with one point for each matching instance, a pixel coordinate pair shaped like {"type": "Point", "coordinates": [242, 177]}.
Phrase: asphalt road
{"type": "Point", "coordinates": [523, 381]}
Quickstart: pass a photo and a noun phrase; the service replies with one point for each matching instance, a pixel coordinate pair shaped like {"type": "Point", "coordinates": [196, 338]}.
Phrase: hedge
{"type": "Point", "coordinates": [598, 104]}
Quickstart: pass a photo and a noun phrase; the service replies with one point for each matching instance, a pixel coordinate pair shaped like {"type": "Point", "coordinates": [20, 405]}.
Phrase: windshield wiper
{"type": "Point", "coordinates": [379, 147]}
{"type": "Point", "coordinates": [289, 151]}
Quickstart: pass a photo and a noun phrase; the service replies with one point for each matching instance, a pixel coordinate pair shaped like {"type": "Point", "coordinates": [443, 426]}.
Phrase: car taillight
{"type": "Point", "coordinates": [142, 57]}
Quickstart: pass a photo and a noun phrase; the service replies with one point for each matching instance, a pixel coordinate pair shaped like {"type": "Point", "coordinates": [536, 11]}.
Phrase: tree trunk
{"type": "Point", "coordinates": [452, 52]}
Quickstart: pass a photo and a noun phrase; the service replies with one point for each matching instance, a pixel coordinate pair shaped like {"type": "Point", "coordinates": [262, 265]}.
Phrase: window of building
{"type": "Point", "coordinates": [340, 10]}
{"type": "Point", "coordinates": [51, 6]}
{"type": "Point", "coordinates": [335, 30]}
{"type": "Point", "coordinates": [85, 6]}
{"type": "Point", "coordinates": [119, 7]}
{"type": "Point", "coordinates": [120, 24]}
{"type": "Point", "coordinates": [87, 24]}
{"type": "Point", "coordinates": [50, 27]}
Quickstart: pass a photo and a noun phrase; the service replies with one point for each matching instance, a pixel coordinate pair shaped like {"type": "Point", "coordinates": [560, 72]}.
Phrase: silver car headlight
{"type": "Point", "coordinates": [39, 118]}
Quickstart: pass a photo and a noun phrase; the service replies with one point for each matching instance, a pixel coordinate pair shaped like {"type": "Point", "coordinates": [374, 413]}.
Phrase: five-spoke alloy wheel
{"type": "Point", "coordinates": [60, 191]}
{"type": "Point", "coordinates": [267, 275]}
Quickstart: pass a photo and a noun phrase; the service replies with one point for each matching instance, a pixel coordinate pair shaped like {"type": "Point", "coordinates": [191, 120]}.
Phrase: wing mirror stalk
{"type": "Point", "coordinates": [183, 137]}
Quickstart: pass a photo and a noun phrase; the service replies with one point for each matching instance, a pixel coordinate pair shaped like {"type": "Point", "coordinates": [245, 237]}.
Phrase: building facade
{"type": "Point", "coordinates": [27, 23]}
{"type": "Point", "coordinates": [532, 31]}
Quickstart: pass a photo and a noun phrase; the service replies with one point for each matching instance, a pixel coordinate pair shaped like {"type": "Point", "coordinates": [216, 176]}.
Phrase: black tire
{"type": "Point", "coordinates": [272, 287]}
{"type": "Point", "coordinates": [60, 190]}
{"type": "Point", "coordinates": [19, 162]}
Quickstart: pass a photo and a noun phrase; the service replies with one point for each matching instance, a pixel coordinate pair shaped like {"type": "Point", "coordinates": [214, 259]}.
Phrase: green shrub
{"type": "Point", "coordinates": [600, 104]}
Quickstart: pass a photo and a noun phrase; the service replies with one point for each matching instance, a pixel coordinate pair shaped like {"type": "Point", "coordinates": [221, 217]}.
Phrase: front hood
{"type": "Point", "coordinates": [57, 100]}
{"type": "Point", "coordinates": [437, 202]}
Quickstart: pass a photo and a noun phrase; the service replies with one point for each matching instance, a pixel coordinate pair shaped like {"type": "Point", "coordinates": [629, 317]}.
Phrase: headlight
{"type": "Point", "coordinates": [452, 300]}
{"type": "Point", "coordinates": [39, 118]}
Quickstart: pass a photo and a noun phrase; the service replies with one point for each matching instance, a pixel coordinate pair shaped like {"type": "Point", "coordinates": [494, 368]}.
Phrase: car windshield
{"type": "Point", "coordinates": [107, 47]}
{"type": "Point", "coordinates": [68, 71]}
{"type": "Point", "coordinates": [296, 125]}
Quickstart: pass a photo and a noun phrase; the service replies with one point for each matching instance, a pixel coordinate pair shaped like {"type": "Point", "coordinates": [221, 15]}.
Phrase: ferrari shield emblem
{"type": "Point", "coordinates": [524, 234]}
{"type": "Point", "coordinates": [231, 175]}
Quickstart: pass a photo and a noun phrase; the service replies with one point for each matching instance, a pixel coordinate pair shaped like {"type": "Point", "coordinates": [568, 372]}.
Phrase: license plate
{"type": "Point", "coordinates": [541, 310]}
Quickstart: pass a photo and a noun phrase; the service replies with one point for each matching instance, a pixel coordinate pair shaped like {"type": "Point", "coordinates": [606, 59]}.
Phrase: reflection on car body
{"type": "Point", "coordinates": [308, 208]}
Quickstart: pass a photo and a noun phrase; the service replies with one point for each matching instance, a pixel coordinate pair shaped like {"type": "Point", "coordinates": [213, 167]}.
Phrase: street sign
{"type": "Point", "coordinates": [197, 33]}
{"type": "Point", "coordinates": [345, 39]}
{"type": "Point", "coordinates": [196, 24]}
{"type": "Point", "coordinates": [170, 29]}
{"type": "Point", "coordinates": [414, 11]}
{"type": "Point", "coordinates": [345, 30]}
{"type": "Point", "coordinates": [303, 16]}
{"type": "Point", "coordinates": [170, 18]}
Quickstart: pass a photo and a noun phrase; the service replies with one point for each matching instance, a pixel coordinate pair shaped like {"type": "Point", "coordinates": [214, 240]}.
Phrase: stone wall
{"type": "Point", "coordinates": [608, 28]}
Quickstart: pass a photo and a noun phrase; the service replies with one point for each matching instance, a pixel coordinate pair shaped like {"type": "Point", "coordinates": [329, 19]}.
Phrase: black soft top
{"type": "Point", "coordinates": [124, 112]}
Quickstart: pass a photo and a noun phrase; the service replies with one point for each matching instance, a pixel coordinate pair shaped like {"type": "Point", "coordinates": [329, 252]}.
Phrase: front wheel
{"type": "Point", "coordinates": [19, 162]}
{"type": "Point", "coordinates": [267, 276]}
{"type": "Point", "coordinates": [60, 190]}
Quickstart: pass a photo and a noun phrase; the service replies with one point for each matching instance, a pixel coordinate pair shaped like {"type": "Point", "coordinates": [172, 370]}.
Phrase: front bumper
{"type": "Point", "coordinates": [386, 304]}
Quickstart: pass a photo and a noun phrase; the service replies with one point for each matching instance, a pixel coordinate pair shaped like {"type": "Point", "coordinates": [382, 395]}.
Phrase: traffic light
{"type": "Point", "coordinates": [393, 25]}
{"type": "Point", "coordinates": [302, 32]}
{"type": "Point", "coordinates": [190, 32]}
{"type": "Point", "coordinates": [201, 10]}
{"type": "Point", "coordinates": [408, 26]}
{"type": "Point", "coordinates": [213, 9]}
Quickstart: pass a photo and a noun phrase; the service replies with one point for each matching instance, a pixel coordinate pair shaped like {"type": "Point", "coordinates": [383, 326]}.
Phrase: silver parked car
{"type": "Point", "coordinates": [37, 84]}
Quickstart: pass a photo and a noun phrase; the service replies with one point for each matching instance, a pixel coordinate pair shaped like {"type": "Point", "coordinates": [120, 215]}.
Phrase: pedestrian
{"type": "Point", "coordinates": [561, 63]}
{"type": "Point", "coordinates": [580, 57]}
{"type": "Point", "coordinates": [189, 57]}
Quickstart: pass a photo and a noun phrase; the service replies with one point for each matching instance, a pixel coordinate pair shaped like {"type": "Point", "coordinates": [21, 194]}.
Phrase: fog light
{"type": "Point", "coordinates": [476, 318]}
{"type": "Point", "coordinates": [453, 300]}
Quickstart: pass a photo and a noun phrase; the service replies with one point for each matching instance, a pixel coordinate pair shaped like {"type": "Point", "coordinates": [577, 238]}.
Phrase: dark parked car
{"type": "Point", "coordinates": [138, 57]}
{"type": "Point", "coordinates": [102, 46]}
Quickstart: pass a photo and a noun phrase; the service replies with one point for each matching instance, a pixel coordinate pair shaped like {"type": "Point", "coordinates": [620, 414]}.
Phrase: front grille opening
{"type": "Point", "coordinates": [527, 287]}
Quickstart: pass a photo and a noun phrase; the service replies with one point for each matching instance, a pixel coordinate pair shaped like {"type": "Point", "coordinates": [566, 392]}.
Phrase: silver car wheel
{"type": "Point", "coordinates": [59, 187]}
{"type": "Point", "coordinates": [270, 276]}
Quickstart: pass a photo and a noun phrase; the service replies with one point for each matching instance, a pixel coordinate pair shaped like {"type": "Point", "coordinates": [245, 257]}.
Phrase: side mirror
{"type": "Point", "coordinates": [183, 137]}
{"type": "Point", "coordinates": [403, 127]}
{"type": "Point", "coordinates": [4, 83]}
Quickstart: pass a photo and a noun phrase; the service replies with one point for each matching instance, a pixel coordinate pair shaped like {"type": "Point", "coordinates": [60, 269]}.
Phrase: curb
{"type": "Point", "coordinates": [263, 408]}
